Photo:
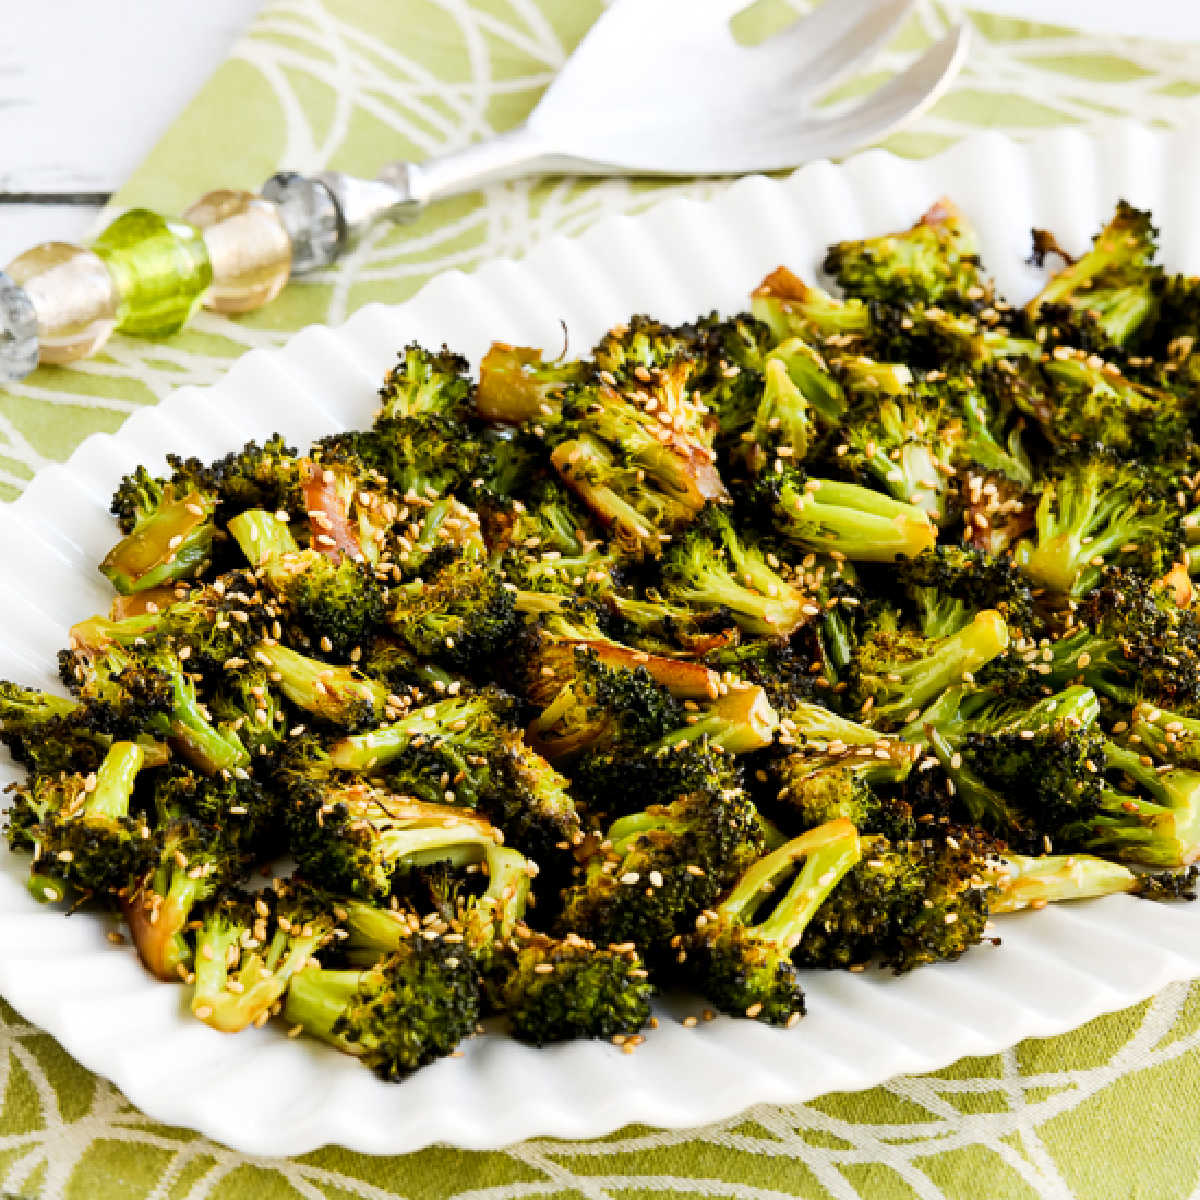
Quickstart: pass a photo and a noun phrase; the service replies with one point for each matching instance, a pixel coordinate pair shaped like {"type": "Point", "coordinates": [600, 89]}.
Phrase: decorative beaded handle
{"type": "Point", "coordinates": [232, 251]}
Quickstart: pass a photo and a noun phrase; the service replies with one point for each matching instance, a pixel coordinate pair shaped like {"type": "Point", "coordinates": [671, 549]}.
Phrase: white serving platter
{"type": "Point", "coordinates": [264, 1094]}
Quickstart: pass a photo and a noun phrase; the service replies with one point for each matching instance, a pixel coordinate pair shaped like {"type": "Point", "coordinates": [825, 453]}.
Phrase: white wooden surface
{"type": "Point", "coordinates": [88, 86]}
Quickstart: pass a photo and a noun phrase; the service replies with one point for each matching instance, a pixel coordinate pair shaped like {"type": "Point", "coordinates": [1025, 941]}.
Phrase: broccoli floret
{"type": "Point", "coordinates": [1028, 774]}
{"type": "Point", "coordinates": [247, 815]}
{"type": "Point", "coordinates": [247, 703]}
{"type": "Point", "coordinates": [517, 385]}
{"type": "Point", "coordinates": [950, 583]}
{"type": "Point", "coordinates": [906, 447]}
{"type": "Point", "coordinates": [149, 684]}
{"type": "Point", "coordinates": [544, 543]}
{"type": "Point", "coordinates": [1089, 400]}
{"type": "Point", "coordinates": [936, 261]}
{"type": "Point", "coordinates": [792, 308]}
{"type": "Point", "coordinates": [897, 672]}
{"type": "Point", "coordinates": [782, 426]}
{"type": "Point", "coordinates": [51, 734]}
{"type": "Point", "coordinates": [903, 904]}
{"type": "Point", "coordinates": [595, 706]}
{"type": "Point", "coordinates": [257, 943]}
{"type": "Point", "coordinates": [615, 782]}
{"type": "Point", "coordinates": [439, 739]}
{"type": "Point", "coordinates": [559, 990]}
{"type": "Point", "coordinates": [219, 623]}
{"type": "Point", "coordinates": [1150, 816]}
{"type": "Point", "coordinates": [463, 615]}
{"type": "Point", "coordinates": [1131, 641]}
{"type": "Point", "coordinates": [741, 958]}
{"type": "Point", "coordinates": [193, 863]}
{"type": "Point", "coordinates": [713, 567]}
{"type": "Point", "coordinates": [840, 518]}
{"type": "Point", "coordinates": [424, 381]}
{"type": "Point", "coordinates": [169, 534]}
{"type": "Point", "coordinates": [657, 869]}
{"type": "Point", "coordinates": [642, 479]}
{"type": "Point", "coordinates": [1104, 297]}
{"type": "Point", "coordinates": [406, 1011]}
{"type": "Point", "coordinates": [338, 602]}
{"type": "Point", "coordinates": [90, 838]}
{"type": "Point", "coordinates": [355, 839]}
{"type": "Point", "coordinates": [1096, 510]}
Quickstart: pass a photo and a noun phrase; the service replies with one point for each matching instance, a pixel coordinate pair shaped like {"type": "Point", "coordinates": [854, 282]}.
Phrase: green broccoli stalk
{"type": "Point", "coordinates": [1023, 881]}
{"type": "Point", "coordinates": [405, 1011]}
{"type": "Point", "coordinates": [338, 603]}
{"type": "Point", "coordinates": [810, 374]}
{"type": "Point", "coordinates": [896, 673]}
{"type": "Point", "coordinates": [741, 960]}
{"type": "Point", "coordinates": [739, 721]}
{"type": "Point", "coordinates": [248, 950]}
{"type": "Point", "coordinates": [90, 839]}
{"type": "Point", "coordinates": [842, 518]}
{"type": "Point", "coordinates": [170, 538]}
{"type": "Point", "coordinates": [712, 567]}
{"type": "Point", "coordinates": [337, 695]}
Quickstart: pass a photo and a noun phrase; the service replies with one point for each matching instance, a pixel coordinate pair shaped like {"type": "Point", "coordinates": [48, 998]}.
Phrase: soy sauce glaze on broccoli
{"type": "Point", "coordinates": [810, 637]}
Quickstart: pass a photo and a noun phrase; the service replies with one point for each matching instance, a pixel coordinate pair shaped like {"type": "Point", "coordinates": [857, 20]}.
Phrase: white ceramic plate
{"type": "Point", "coordinates": [260, 1092]}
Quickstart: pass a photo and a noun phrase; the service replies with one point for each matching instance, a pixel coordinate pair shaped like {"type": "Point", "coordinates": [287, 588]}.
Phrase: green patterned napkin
{"type": "Point", "coordinates": [1111, 1110]}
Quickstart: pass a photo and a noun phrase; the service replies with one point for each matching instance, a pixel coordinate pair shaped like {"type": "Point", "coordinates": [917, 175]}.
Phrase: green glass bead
{"type": "Point", "coordinates": [161, 270]}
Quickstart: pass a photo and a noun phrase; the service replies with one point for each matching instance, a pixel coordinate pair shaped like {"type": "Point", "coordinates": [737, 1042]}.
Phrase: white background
{"type": "Point", "coordinates": [88, 86]}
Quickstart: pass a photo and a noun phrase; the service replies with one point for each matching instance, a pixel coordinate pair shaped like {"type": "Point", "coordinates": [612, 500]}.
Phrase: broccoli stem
{"type": "Point", "coordinates": [207, 747]}
{"type": "Point", "coordinates": [912, 685]}
{"type": "Point", "coordinates": [811, 376]}
{"type": "Point", "coordinates": [115, 779]}
{"type": "Point", "coordinates": [827, 853]}
{"type": "Point", "coordinates": [378, 747]}
{"type": "Point", "coordinates": [862, 524]}
{"type": "Point", "coordinates": [317, 997]}
{"type": "Point", "coordinates": [172, 543]}
{"type": "Point", "coordinates": [262, 537]}
{"type": "Point", "coordinates": [332, 692]}
{"type": "Point", "coordinates": [1026, 881]}
{"type": "Point", "coordinates": [740, 722]}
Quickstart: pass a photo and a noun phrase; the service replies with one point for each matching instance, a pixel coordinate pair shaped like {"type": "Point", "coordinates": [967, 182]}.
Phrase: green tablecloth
{"type": "Point", "coordinates": [1111, 1110]}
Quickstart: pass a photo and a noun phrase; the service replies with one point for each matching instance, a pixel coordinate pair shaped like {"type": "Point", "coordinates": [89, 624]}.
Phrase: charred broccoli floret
{"type": "Point", "coordinates": [741, 960]}
{"type": "Point", "coordinates": [934, 262]}
{"type": "Point", "coordinates": [425, 381]}
{"type": "Point", "coordinates": [409, 1009]}
{"type": "Point", "coordinates": [257, 943]}
{"type": "Point", "coordinates": [1107, 295]}
{"type": "Point", "coordinates": [657, 869]}
{"type": "Point", "coordinates": [336, 601]}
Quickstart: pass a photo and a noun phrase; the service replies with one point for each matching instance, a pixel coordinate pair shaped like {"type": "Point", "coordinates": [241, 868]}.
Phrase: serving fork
{"type": "Point", "coordinates": [660, 88]}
